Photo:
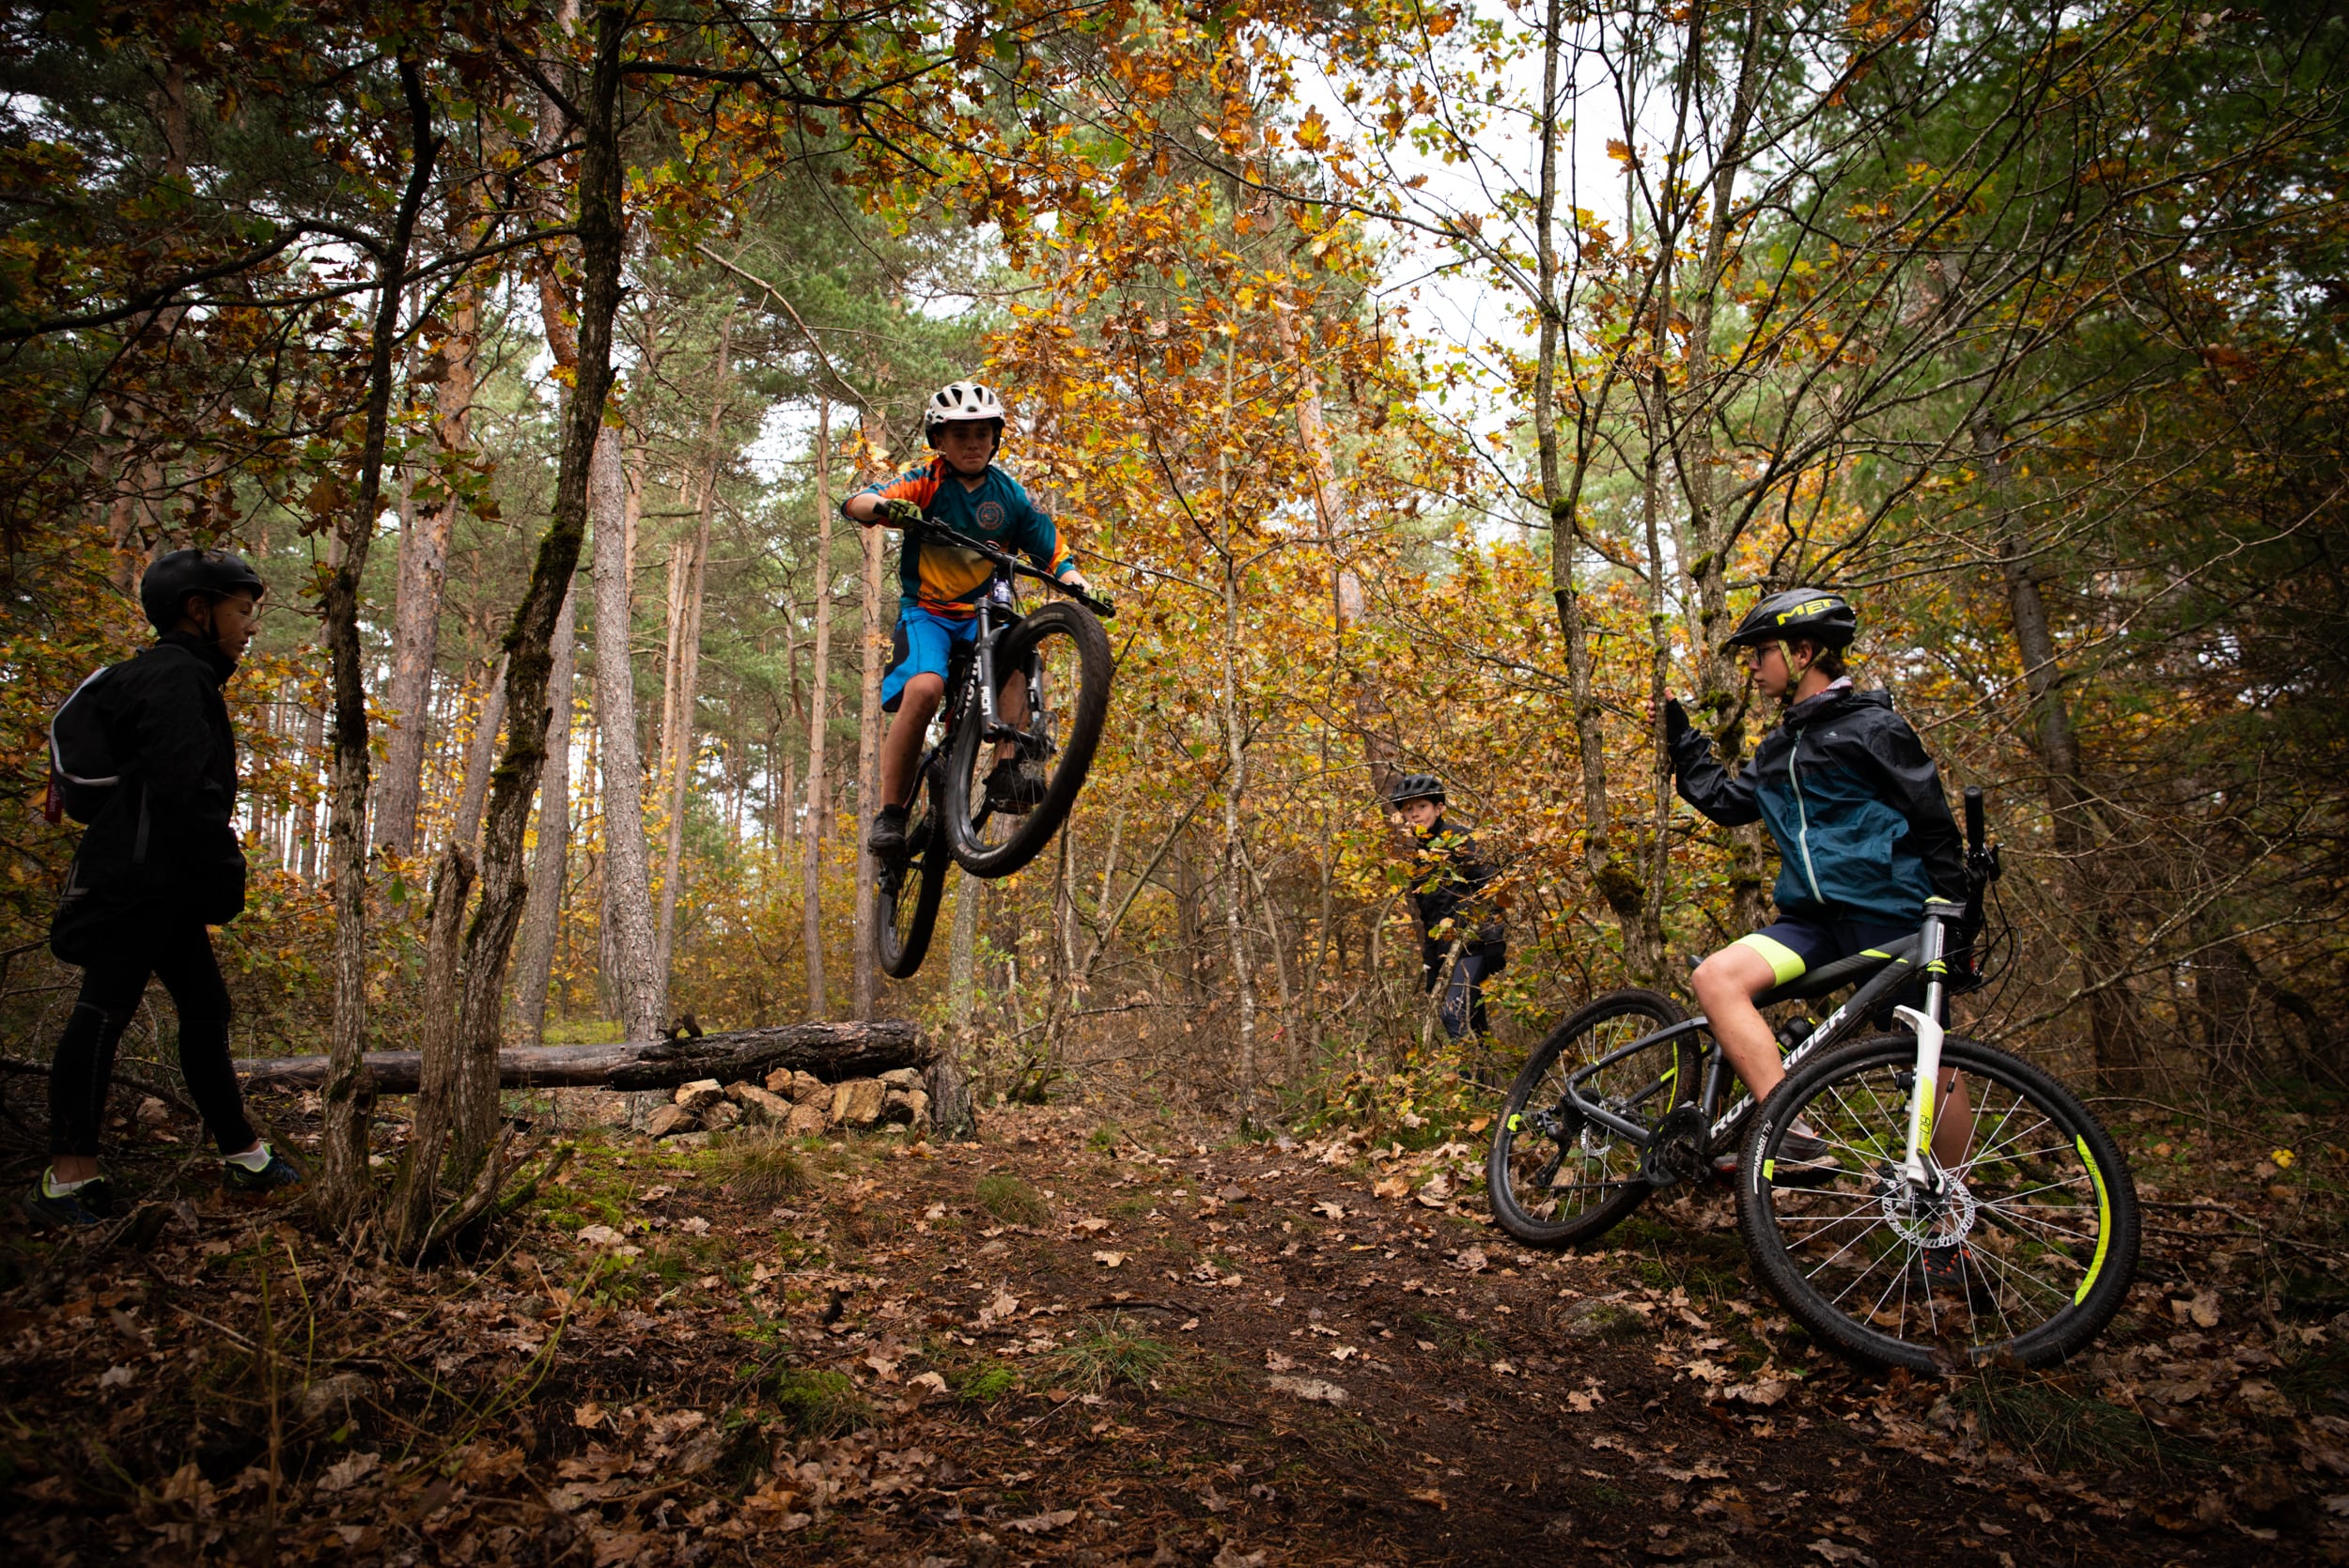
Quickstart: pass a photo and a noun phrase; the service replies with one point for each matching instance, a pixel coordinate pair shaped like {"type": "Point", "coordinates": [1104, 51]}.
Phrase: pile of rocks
{"type": "Point", "coordinates": [797, 1104]}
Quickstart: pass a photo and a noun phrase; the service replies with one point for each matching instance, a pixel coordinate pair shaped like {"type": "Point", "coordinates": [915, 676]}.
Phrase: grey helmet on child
{"type": "Point", "coordinates": [1415, 786]}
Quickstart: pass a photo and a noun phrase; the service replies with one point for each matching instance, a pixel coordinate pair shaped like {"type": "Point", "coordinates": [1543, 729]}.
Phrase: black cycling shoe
{"type": "Point", "coordinates": [888, 837]}
{"type": "Point", "coordinates": [91, 1204]}
{"type": "Point", "coordinates": [1952, 1268]}
{"type": "Point", "coordinates": [279, 1173]}
{"type": "Point", "coordinates": [1014, 787]}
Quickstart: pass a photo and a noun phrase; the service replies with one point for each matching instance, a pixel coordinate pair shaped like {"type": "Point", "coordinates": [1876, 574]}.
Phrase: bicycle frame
{"type": "Point", "coordinates": [1900, 970]}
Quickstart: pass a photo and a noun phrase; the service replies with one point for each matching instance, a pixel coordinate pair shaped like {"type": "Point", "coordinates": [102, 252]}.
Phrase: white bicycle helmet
{"type": "Point", "coordinates": [959, 402]}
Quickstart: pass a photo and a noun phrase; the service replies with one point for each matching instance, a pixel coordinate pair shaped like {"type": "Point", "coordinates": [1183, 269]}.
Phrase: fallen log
{"type": "Point", "coordinates": [831, 1051]}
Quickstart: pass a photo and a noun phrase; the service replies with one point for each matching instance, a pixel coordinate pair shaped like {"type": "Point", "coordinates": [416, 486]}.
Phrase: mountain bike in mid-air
{"type": "Point", "coordinates": [2018, 1251]}
{"type": "Point", "coordinates": [1032, 686]}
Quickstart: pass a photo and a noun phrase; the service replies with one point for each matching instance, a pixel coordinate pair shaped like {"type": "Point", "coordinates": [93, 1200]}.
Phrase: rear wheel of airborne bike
{"type": "Point", "coordinates": [1556, 1178]}
{"type": "Point", "coordinates": [1055, 663]}
{"type": "Point", "coordinates": [906, 891]}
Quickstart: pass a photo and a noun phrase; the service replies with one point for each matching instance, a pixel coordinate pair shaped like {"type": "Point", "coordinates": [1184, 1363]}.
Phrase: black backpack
{"type": "Point", "coordinates": [83, 774]}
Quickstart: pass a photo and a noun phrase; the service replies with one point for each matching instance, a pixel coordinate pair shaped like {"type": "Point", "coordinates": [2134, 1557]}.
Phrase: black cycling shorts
{"type": "Point", "coordinates": [1796, 944]}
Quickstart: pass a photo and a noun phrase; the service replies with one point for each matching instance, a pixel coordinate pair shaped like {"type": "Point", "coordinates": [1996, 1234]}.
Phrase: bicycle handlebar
{"type": "Point", "coordinates": [1100, 607]}
{"type": "Point", "coordinates": [1973, 819]}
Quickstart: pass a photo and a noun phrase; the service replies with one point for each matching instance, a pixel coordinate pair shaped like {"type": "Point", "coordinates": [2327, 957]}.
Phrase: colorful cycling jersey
{"type": "Point", "coordinates": [947, 580]}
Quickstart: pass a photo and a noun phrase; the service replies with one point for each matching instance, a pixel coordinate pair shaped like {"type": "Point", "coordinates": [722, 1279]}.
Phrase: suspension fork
{"type": "Point", "coordinates": [1928, 1025]}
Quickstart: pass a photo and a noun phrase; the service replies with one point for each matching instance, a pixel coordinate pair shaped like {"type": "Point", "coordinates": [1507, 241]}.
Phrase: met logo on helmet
{"type": "Point", "coordinates": [1808, 607]}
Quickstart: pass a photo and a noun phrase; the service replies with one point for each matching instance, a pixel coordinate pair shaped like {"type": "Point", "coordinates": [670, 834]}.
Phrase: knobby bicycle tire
{"type": "Point", "coordinates": [907, 893]}
{"type": "Point", "coordinates": [1576, 1185]}
{"type": "Point", "coordinates": [1087, 708]}
{"type": "Point", "coordinates": [2042, 1212]}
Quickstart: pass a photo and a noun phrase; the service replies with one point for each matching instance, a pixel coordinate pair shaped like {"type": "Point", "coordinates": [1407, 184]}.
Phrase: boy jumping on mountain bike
{"type": "Point", "coordinates": [939, 586]}
{"type": "Point", "coordinates": [1863, 833]}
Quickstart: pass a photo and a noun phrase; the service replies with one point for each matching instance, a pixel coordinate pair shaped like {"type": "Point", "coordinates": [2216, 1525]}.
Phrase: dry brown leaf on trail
{"type": "Point", "coordinates": [1231, 1557]}
{"type": "Point", "coordinates": [1275, 1362]}
{"type": "Point", "coordinates": [590, 1416]}
{"type": "Point", "coordinates": [1471, 1260]}
{"type": "Point", "coordinates": [1394, 1187]}
{"type": "Point", "coordinates": [1335, 1211]}
{"type": "Point", "coordinates": [1343, 1352]}
{"type": "Point", "coordinates": [1110, 1260]}
{"type": "Point", "coordinates": [1433, 1496]}
{"type": "Point", "coordinates": [1437, 1193]}
{"type": "Point", "coordinates": [344, 1474]}
{"type": "Point", "coordinates": [1314, 1390]}
{"type": "Point", "coordinates": [1091, 1223]}
{"type": "Point", "coordinates": [933, 1382]}
{"type": "Point", "coordinates": [1037, 1524]}
{"type": "Point", "coordinates": [1835, 1552]}
{"type": "Point", "coordinates": [2202, 1310]}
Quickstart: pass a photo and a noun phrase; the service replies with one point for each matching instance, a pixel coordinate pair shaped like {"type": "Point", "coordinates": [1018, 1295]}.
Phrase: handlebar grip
{"type": "Point", "coordinates": [1973, 819]}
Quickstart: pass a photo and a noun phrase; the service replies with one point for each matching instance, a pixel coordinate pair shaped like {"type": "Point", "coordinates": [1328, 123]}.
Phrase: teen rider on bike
{"type": "Point", "coordinates": [939, 586]}
{"type": "Point", "coordinates": [1864, 836]}
{"type": "Point", "coordinates": [1447, 882]}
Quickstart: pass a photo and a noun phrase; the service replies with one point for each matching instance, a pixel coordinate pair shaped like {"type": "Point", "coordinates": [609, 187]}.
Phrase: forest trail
{"type": "Point", "coordinates": [1071, 1342]}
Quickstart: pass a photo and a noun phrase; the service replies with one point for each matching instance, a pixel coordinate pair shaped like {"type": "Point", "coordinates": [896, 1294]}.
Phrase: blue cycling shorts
{"type": "Point", "coordinates": [922, 647]}
{"type": "Point", "coordinates": [1796, 944]}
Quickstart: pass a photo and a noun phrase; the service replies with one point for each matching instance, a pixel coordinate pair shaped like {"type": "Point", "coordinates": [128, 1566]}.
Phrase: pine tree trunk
{"type": "Point", "coordinates": [423, 571]}
{"type": "Point", "coordinates": [635, 983]}
{"type": "Point", "coordinates": [542, 921]}
{"type": "Point", "coordinates": [819, 690]}
{"type": "Point", "coordinates": [480, 757]}
{"type": "Point", "coordinates": [343, 1186]}
{"type": "Point", "coordinates": [530, 637]}
{"type": "Point", "coordinates": [868, 772]}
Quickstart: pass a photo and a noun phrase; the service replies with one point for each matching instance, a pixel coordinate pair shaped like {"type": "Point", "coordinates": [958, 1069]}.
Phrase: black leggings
{"type": "Point", "coordinates": [179, 955]}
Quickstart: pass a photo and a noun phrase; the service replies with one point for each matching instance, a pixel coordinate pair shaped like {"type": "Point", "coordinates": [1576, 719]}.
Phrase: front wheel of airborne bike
{"type": "Point", "coordinates": [907, 892]}
{"type": "Point", "coordinates": [2023, 1256]}
{"type": "Point", "coordinates": [1055, 662]}
{"type": "Point", "coordinates": [1556, 1178]}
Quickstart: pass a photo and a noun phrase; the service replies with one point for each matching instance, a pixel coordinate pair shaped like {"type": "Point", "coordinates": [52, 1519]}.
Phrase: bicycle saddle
{"type": "Point", "coordinates": [1859, 967]}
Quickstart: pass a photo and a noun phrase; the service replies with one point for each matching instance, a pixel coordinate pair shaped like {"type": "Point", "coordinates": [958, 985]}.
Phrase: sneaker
{"type": "Point", "coordinates": [1014, 787]}
{"type": "Point", "coordinates": [90, 1203]}
{"type": "Point", "coordinates": [888, 837]}
{"type": "Point", "coordinates": [1951, 1267]}
{"type": "Point", "coordinates": [279, 1172]}
{"type": "Point", "coordinates": [1801, 1152]}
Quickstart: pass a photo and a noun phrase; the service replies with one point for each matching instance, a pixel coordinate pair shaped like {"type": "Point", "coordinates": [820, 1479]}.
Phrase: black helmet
{"type": "Point", "coordinates": [1415, 786]}
{"type": "Point", "coordinates": [178, 573]}
{"type": "Point", "coordinates": [1818, 615]}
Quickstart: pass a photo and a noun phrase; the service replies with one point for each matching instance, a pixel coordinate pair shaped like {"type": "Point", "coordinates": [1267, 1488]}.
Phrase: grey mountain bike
{"type": "Point", "coordinates": [1030, 688]}
{"type": "Point", "coordinates": [1970, 1207]}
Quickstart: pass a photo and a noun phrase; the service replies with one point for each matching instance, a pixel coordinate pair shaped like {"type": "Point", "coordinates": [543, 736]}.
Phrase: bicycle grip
{"type": "Point", "coordinates": [1973, 819]}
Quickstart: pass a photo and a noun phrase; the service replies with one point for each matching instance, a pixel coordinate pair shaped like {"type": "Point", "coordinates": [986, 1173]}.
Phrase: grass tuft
{"type": "Point", "coordinates": [1105, 1351]}
{"type": "Point", "coordinates": [761, 1167]}
{"type": "Point", "coordinates": [2057, 1425]}
{"type": "Point", "coordinates": [985, 1382]}
{"type": "Point", "coordinates": [1012, 1201]}
{"type": "Point", "coordinates": [819, 1403]}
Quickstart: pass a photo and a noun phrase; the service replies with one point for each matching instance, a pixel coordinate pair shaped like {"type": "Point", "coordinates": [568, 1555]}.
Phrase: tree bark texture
{"type": "Point", "coordinates": [820, 691]}
{"type": "Point", "coordinates": [530, 637]}
{"type": "Point", "coordinates": [868, 772]}
{"type": "Point", "coordinates": [687, 588]}
{"type": "Point", "coordinates": [344, 1178]}
{"type": "Point", "coordinates": [480, 757]}
{"type": "Point", "coordinates": [423, 573]}
{"type": "Point", "coordinates": [634, 982]}
{"type": "Point", "coordinates": [831, 1051]}
{"type": "Point", "coordinates": [542, 917]}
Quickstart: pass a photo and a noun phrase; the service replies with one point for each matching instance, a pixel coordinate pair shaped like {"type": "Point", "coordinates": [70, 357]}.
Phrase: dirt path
{"type": "Point", "coordinates": [1068, 1343]}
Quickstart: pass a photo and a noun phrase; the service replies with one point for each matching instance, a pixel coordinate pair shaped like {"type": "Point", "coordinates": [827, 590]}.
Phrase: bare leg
{"type": "Point", "coordinates": [1726, 985]}
{"type": "Point", "coordinates": [902, 747]}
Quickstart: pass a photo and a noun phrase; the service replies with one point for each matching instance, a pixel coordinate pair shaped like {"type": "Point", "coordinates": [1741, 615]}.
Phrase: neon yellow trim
{"type": "Point", "coordinates": [1874, 952]}
{"type": "Point", "coordinates": [1937, 966]}
{"type": "Point", "coordinates": [1770, 1170]}
{"type": "Point", "coordinates": [1785, 963]}
{"type": "Point", "coordinates": [1517, 1123]}
{"type": "Point", "coordinates": [1924, 1121]}
{"type": "Point", "coordinates": [2104, 1219]}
